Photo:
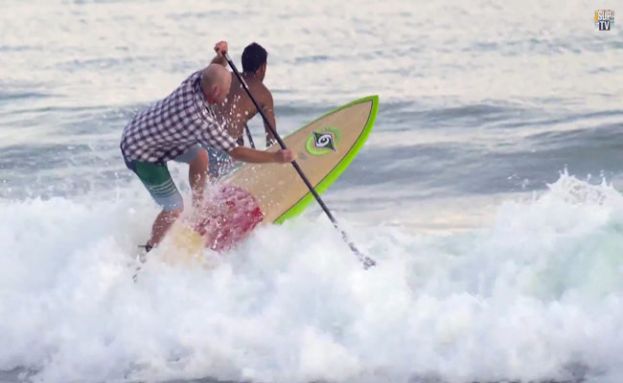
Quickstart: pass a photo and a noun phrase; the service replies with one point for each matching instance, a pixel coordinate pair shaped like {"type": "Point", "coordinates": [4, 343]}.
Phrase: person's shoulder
{"type": "Point", "coordinates": [190, 80]}
{"type": "Point", "coordinates": [263, 91]}
{"type": "Point", "coordinates": [190, 86]}
{"type": "Point", "coordinates": [263, 87]}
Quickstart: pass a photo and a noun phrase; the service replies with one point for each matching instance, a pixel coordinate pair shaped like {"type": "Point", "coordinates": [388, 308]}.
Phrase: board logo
{"type": "Point", "coordinates": [604, 19]}
{"type": "Point", "coordinates": [323, 141]}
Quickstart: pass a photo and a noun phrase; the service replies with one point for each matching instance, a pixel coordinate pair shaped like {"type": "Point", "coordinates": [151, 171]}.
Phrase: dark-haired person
{"type": "Point", "coordinates": [238, 108]}
{"type": "Point", "coordinates": [180, 128]}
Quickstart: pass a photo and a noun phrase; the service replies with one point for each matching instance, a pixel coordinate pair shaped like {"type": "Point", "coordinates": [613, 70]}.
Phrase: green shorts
{"type": "Point", "coordinates": [160, 185]}
{"type": "Point", "coordinates": [158, 181]}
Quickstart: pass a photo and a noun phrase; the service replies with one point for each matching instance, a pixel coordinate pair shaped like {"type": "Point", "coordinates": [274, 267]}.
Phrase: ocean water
{"type": "Point", "coordinates": [489, 193]}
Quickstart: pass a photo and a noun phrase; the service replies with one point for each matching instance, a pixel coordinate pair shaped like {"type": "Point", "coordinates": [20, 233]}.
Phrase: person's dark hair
{"type": "Point", "coordinates": [253, 57]}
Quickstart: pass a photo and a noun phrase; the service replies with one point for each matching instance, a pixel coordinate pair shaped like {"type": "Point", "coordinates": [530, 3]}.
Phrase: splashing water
{"type": "Point", "coordinates": [536, 295]}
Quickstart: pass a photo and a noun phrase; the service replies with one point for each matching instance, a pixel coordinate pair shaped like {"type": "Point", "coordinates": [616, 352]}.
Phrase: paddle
{"type": "Point", "coordinates": [249, 137]}
{"type": "Point", "coordinates": [365, 260]}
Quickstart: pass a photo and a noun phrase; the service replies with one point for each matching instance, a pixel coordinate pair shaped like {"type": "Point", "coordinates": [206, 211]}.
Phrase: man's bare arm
{"type": "Point", "coordinates": [218, 59]}
{"type": "Point", "coordinates": [241, 153]}
{"type": "Point", "coordinates": [220, 48]}
{"type": "Point", "coordinates": [268, 108]}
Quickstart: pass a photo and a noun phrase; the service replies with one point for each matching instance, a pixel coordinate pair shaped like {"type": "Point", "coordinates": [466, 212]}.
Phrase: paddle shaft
{"type": "Point", "coordinates": [366, 261]}
{"type": "Point", "coordinates": [249, 137]}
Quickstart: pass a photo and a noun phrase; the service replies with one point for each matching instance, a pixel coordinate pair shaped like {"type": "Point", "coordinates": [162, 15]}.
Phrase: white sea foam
{"type": "Point", "coordinates": [537, 295]}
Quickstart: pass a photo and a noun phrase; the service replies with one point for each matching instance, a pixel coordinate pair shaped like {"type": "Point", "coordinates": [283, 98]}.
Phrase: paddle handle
{"type": "Point", "coordinates": [365, 260]}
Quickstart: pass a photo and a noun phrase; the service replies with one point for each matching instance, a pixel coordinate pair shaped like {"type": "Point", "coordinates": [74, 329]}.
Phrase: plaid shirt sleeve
{"type": "Point", "coordinates": [213, 134]}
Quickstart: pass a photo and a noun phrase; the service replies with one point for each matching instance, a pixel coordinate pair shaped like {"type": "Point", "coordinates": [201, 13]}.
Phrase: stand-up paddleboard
{"type": "Point", "coordinates": [273, 193]}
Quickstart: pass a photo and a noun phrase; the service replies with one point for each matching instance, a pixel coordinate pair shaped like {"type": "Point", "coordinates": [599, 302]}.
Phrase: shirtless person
{"type": "Point", "coordinates": [173, 129]}
{"type": "Point", "coordinates": [238, 108]}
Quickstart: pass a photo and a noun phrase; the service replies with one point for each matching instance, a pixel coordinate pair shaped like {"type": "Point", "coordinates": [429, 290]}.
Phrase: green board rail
{"type": "Point", "coordinates": [339, 168]}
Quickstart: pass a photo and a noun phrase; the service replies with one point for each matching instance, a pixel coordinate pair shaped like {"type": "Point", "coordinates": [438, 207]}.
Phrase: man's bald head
{"type": "Point", "coordinates": [215, 83]}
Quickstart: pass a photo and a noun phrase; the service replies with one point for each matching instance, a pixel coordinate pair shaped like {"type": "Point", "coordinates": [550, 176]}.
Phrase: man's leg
{"type": "Point", "coordinates": [161, 225]}
{"type": "Point", "coordinates": [197, 176]}
{"type": "Point", "coordinates": [157, 180]}
{"type": "Point", "coordinates": [198, 160]}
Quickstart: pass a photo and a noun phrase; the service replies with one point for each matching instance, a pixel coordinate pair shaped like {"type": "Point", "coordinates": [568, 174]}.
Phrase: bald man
{"type": "Point", "coordinates": [179, 128]}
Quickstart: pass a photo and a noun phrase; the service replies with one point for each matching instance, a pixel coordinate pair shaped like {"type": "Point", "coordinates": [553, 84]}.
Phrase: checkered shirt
{"type": "Point", "coordinates": [171, 126]}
